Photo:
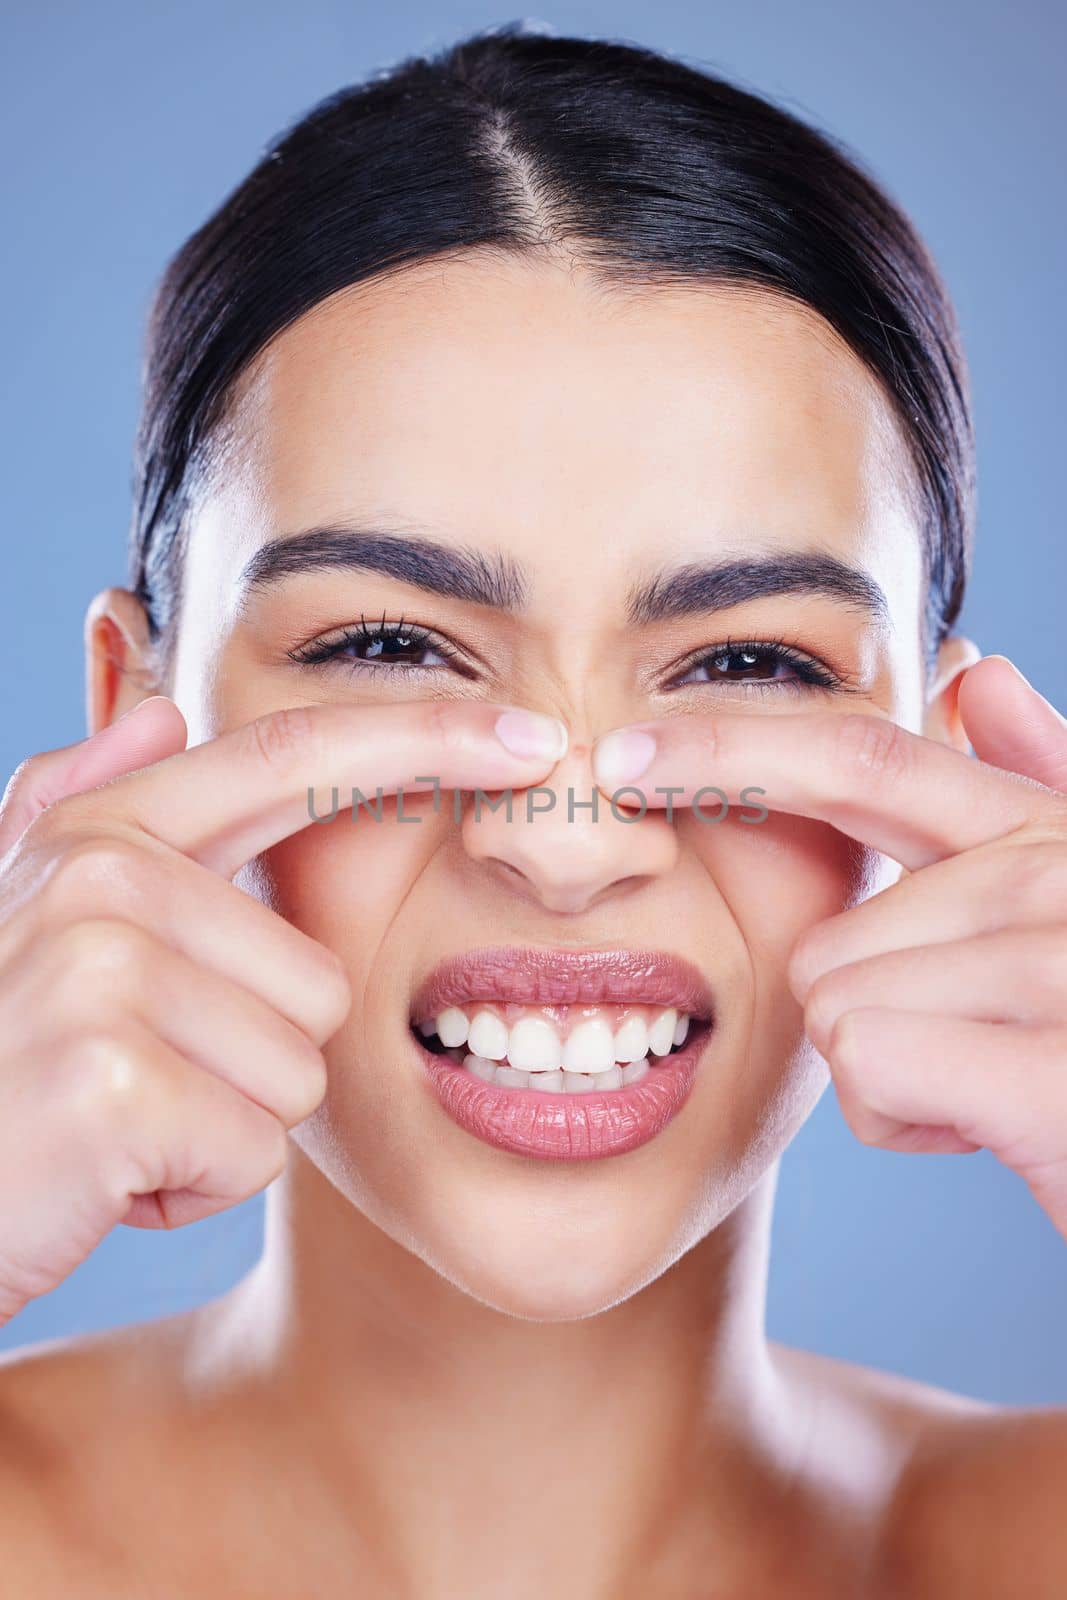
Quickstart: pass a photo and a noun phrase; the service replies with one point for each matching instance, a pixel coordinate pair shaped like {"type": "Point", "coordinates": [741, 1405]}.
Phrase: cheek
{"type": "Point", "coordinates": [780, 876]}
{"type": "Point", "coordinates": [343, 882]}
{"type": "Point", "coordinates": [776, 879]}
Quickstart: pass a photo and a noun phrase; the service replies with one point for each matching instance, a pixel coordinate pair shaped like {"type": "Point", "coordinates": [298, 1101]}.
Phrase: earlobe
{"type": "Point", "coordinates": [942, 720]}
{"type": "Point", "coordinates": [120, 668]}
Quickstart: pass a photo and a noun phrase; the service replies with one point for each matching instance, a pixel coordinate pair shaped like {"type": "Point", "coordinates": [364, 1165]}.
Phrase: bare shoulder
{"type": "Point", "coordinates": [55, 1395]}
{"type": "Point", "coordinates": [130, 1465]}
{"type": "Point", "coordinates": [972, 1494]}
{"type": "Point", "coordinates": [980, 1509]}
{"type": "Point", "coordinates": [74, 1420]}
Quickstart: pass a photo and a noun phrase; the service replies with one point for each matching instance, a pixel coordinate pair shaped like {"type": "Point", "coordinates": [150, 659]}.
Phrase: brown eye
{"type": "Point", "coordinates": [381, 647]}
{"type": "Point", "coordinates": [745, 663]}
{"type": "Point", "coordinates": [397, 647]}
{"type": "Point", "coordinates": [761, 663]}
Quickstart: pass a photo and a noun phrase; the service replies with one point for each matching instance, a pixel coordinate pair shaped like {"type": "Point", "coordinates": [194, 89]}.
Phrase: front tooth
{"type": "Point", "coordinates": [578, 1082]}
{"type": "Point", "coordinates": [661, 1033]}
{"type": "Point", "coordinates": [631, 1040]}
{"type": "Point", "coordinates": [610, 1080]}
{"type": "Point", "coordinates": [510, 1078]}
{"type": "Point", "coordinates": [635, 1070]}
{"type": "Point", "coordinates": [533, 1044]}
{"type": "Point", "coordinates": [547, 1080]}
{"type": "Point", "coordinates": [452, 1026]}
{"type": "Point", "coordinates": [680, 1030]}
{"type": "Point", "coordinates": [590, 1047]}
{"type": "Point", "coordinates": [489, 1036]}
{"type": "Point", "coordinates": [480, 1067]}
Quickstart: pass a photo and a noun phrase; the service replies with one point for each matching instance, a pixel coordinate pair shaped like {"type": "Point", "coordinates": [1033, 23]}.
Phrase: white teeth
{"type": "Point", "coordinates": [578, 1082]}
{"type": "Point", "coordinates": [531, 1053]}
{"type": "Point", "coordinates": [661, 1033]}
{"type": "Point", "coordinates": [452, 1026]}
{"type": "Point", "coordinates": [631, 1040]}
{"type": "Point", "coordinates": [489, 1036]}
{"type": "Point", "coordinates": [480, 1067]}
{"type": "Point", "coordinates": [556, 1082]}
{"type": "Point", "coordinates": [534, 1045]}
{"type": "Point", "coordinates": [589, 1047]}
{"type": "Point", "coordinates": [547, 1081]}
{"type": "Point", "coordinates": [635, 1070]}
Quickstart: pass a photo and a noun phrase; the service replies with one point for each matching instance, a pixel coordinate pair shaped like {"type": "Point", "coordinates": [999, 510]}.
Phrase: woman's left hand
{"type": "Point", "coordinates": [940, 1003]}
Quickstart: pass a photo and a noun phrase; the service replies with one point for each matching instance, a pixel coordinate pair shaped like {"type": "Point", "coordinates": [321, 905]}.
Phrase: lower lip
{"type": "Point", "coordinates": [566, 1127]}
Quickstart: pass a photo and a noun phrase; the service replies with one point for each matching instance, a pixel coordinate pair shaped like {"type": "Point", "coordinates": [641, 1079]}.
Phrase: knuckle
{"type": "Point", "coordinates": [300, 1079]}
{"type": "Point", "coordinates": [274, 1149]}
{"type": "Point", "coordinates": [335, 996]}
{"type": "Point", "coordinates": [98, 872]}
{"type": "Point", "coordinates": [824, 1002]}
{"type": "Point", "coordinates": [102, 955]}
{"type": "Point", "coordinates": [448, 726]}
{"type": "Point", "coordinates": [802, 965]}
{"type": "Point", "coordinates": [1037, 878]}
{"type": "Point", "coordinates": [282, 736]}
{"type": "Point", "coordinates": [25, 780]}
{"type": "Point", "coordinates": [868, 1126]}
{"type": "Point", "coordinates": [866, 1129]}
{"type": "Point", "coordinates": [440, 724]}
{"type": "Point", "coordinates": [845, 1045]}
{"type": "Point", "coordinates": [105, 1075]}
{"type": "Point", "coordinates": [872, 745]}
{"type": "Point", "coordinates": [1046, 962]}
{"type": "Point", "coordinates": [310, 1087]}
{"type": "Point", "coordinates": [58, 829]}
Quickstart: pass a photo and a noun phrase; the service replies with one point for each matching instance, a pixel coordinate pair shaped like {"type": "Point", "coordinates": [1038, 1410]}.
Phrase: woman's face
{"type": "Point", "coordinates": [593, 439]}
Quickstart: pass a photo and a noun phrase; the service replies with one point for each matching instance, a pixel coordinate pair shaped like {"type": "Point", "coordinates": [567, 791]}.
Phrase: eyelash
{"type": "Point", "coordinates": [809, 672]}
{"type": "Point", "coordinates": [320, 652]}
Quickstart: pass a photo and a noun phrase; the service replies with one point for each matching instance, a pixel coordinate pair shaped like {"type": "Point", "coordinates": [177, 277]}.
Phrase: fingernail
{"type": "Point", "coordinates": [531, 736]}
{"type": "Point", "coordinates": [138, 707]}
{"type": "Point", "coordinates": [1008, 662]}
{"type": "Point", "coordinates": [621, 756]}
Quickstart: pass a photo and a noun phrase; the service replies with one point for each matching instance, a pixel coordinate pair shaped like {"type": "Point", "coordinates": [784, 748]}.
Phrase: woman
{"type": "Point", "coordinates": [553, 503]}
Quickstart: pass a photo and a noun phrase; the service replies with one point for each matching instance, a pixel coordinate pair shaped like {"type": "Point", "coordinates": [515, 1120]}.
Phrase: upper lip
{"type": "Point", "coordinates": [528, 975]}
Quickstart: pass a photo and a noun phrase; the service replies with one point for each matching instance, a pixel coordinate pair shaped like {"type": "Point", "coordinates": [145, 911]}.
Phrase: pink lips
{"type": "Point", "coordinates": [566, 1127]}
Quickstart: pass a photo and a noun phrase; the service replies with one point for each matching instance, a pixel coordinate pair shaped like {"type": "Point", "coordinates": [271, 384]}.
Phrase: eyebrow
{"type": "Point", "coordinates": [495, 579]}
{"type": "Point", "coordinates": [486, 579]}
{"type": "Point", "coordinates": [685, 590]}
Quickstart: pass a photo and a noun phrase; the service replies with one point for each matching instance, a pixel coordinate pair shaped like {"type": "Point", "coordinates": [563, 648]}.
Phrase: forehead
{"type": "Point", "coordinates": [524, 403]}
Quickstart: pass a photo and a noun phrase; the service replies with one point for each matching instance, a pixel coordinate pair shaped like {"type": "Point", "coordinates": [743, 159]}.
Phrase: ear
{"type": "Point", "coordinates": [942, 718]}
{"type": "Point", "coordinates": [120, 657]}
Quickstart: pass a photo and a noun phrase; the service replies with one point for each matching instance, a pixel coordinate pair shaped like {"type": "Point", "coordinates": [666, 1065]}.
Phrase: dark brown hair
{"type": "Point", "coordinates": [640, 168]}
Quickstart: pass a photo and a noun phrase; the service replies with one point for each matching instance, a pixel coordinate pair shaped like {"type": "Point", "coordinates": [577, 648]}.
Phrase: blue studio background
{"type": "Point", "coordinates": [125, 125]}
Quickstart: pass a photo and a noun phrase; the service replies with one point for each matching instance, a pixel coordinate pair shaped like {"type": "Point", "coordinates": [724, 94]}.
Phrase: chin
{"type": "Point", "coordinates": [548, 1274]}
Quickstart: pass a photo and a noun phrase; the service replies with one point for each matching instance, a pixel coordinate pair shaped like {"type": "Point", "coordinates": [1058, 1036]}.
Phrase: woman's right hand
{"type": "Point", "coordinates": [160, 1029]}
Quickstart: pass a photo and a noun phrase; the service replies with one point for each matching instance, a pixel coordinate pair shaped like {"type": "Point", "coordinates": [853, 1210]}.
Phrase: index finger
{"type": "Point", "coordinates": [905, 795]}
{"type": "Point", "coordinates": [231, 797]}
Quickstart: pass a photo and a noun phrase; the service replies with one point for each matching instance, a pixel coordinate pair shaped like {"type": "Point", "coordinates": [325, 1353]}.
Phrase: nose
{"type": "Point", "coordinates": [563, 844]}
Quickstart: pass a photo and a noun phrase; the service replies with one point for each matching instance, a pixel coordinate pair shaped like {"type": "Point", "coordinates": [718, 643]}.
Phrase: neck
{"type": "Point", "coordinates": [463, 1435]}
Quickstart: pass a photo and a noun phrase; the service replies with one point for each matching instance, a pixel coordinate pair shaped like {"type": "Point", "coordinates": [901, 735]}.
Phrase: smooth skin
{"type": "Point", "coordinates": [940, 1005]}
{"type": "Point", "coordinates": [456, 1371]}
{"type": "Point", "coordinates": [166, 1026]}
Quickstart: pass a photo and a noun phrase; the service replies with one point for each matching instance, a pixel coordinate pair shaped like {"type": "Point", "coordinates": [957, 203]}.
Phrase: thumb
{"type": "Point", "coordinates": [1010, 725]}
{"type": "Point", "coordinates": [150, 730]}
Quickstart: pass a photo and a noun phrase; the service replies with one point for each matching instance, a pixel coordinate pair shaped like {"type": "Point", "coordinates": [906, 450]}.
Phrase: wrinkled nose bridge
{"type": "Point", "coordinates": [564, 838]}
